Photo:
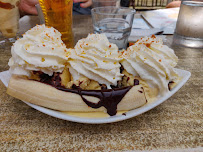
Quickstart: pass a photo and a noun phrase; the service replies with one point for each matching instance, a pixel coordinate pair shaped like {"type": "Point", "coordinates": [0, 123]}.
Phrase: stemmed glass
{"type": "Point", "coordinates": [9, 18]}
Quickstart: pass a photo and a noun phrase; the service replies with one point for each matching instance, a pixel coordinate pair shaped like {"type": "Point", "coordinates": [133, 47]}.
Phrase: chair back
{"type": "Point", "coordinates": [145, 4]}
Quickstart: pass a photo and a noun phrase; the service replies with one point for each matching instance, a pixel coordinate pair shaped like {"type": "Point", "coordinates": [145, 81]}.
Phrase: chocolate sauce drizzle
{"type": "Point", "coordinates": [169, 85]}
{"type": "Point", "coordinates": [108, 98]}
{"type": "Point", "coordinates": [6, 5]}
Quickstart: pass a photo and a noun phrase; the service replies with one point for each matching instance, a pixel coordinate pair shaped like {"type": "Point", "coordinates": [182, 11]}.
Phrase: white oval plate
{"type": "Point", "coordinates": [4, 76]}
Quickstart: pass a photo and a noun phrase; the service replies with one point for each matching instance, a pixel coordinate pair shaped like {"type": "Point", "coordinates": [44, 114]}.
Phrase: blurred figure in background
{"type": "Point", "coordinates": [174, 4]}
{"type": "Point", "coordinates": [79, 7]}
{"type": "Point", "coordinates": [28, 7]}
{"type": "Point", "coordinates": [125, 3]}
{"type": "Point", "coordinates": [177, 3]}
{"type": "Point", "coordinates": [82, 7]}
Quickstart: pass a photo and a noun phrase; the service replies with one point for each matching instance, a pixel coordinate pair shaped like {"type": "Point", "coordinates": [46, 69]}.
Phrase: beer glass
{"type": "Point", "coordinates": [9, 20]}
{"type": "Point", "coordinates": [189, 27]}
{"type": "Point", "coordinates": [58, 14]}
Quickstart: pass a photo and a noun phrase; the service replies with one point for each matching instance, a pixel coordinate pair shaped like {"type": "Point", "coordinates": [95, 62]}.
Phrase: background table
{"type": "Point", "coordinates": [174, 125]}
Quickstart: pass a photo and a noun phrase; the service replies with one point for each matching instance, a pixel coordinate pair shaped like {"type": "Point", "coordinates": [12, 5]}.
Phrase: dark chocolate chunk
{"type": "Point", "coordinates": [103, 86]}
{"type": "Point", "coordinates": [169, 85]}
{"type": "Point", "coordinates": [140, 91]}
{"type": "Point", "coordinates": [124, 114]}
{"type": "Point", "coordinates": [136, 82]}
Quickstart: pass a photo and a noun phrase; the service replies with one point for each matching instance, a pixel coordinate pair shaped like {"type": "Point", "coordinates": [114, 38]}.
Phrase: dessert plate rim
{"type": "Point", "coordinates": [130, 114]}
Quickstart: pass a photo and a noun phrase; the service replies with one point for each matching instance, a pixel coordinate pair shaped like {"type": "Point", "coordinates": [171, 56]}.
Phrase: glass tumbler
{"type": "Point", "coordinates": [189, 26]}
{"type": "Point", "coordinates": [114, 22]}
{"type": "Point", "coordinates": [58, 14]}
{"type": "Point", "coordinates": [9, 22]}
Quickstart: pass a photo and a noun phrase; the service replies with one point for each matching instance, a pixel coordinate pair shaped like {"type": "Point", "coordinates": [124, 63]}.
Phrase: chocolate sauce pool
{"type": "Point", "coordinates": [108, 98]}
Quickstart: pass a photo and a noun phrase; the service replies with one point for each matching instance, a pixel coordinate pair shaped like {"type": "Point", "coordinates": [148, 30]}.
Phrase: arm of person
{"type": "Point", "coordinates": [173, 4]}
{"type": "Point", "coordinates": [84, 3]}
{"type": "Point", "coordinates": [28, 7]}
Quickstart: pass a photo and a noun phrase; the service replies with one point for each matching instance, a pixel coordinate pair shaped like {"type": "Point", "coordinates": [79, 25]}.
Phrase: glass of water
{"type": "Point", "coordinates": [114, 22]}
{"type": "Point", "coordinates": [189, 27]}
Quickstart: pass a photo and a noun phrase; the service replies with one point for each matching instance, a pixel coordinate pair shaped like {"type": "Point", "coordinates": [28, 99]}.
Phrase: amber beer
{"type": "Point", "coordinates": [58, 14]}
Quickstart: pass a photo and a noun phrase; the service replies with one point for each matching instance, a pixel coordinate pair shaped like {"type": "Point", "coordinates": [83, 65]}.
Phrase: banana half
{"type": "Point", "coordinates": [76, 100]}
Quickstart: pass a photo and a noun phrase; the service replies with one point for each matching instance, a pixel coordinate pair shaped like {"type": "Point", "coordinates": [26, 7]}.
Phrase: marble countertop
{"type": "Point", "coordinates": [175, 125]}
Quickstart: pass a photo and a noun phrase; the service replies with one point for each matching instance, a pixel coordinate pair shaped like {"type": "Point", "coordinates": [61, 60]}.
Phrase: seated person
{"type": "Point", "coordinates": [174, 4]}
{"type": "Point", "coordinates": [79, 6]}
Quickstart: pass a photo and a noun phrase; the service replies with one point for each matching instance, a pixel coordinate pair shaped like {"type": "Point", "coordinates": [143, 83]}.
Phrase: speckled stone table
{"type": "Point", "coordinates": [175, 125]}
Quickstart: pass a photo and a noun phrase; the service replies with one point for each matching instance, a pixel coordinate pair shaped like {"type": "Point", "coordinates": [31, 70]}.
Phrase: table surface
{"type": "Point", "coordinates": [174, 125]}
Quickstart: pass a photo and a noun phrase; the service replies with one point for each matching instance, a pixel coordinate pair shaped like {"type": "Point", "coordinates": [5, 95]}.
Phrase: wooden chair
{"type": "Point", "coordinates": [145, 4]}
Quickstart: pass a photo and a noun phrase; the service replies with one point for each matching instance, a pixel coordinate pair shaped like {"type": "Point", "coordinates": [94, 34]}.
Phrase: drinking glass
{"type": "Point", "coordinates": [9, 20]}
{"type": "Point", "coordinates": [189, 27]}
{"type": "Point", "coordinates": [114, 22]}
{"type": "Point", "coordinates": [58, 14]}
{"type": "Point", "coordinates": [101, 3]}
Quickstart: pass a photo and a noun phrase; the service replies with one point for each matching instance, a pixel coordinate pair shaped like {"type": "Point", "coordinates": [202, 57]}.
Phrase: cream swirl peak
{"type": "Point", "coordinates": [40, 49]}
{"type": "Point", "coordinates": [158, 47]}
{"type": "Point", "coordinates": [152, 61]}
{"type": "Point", "coordinates": [96, 58]}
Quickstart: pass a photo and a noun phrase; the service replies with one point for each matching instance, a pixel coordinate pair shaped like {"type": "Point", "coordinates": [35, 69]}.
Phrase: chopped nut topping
{"type": "Point", "coordinates": [148, 44]}
{"type": "Point", "coordinates": [43, 59]}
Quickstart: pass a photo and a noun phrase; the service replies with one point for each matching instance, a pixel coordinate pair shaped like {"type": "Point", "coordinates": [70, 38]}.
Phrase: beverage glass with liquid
{"type": "Point", "coordinates": [9, 20]}
{"type": "Point", "coordinates": [189, 26]}
{"type": "Point", "coordinates": [114, 22]}
{"type": "Point", "coordinates": [58, 14]}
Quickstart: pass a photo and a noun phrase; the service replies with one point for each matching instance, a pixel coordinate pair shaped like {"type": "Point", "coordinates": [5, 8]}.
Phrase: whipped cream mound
{"type": "Point", "coordinates": [96, 58]}
{"type": "Point", "coordinates": [40, 49]}
{"type": "Point", "coordinates": [152, 61]}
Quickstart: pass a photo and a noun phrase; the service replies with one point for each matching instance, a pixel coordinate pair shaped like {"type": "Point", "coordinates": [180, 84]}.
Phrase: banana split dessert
{"type": "Point", "coordinates": [93, 76]}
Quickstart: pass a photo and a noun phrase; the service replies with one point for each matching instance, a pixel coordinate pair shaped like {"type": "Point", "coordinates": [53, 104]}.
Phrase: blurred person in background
{"type": "Point", "coordinates": [28, 7]}
{"type": "Point", "coordinates": [79, 7]}
{"type": "Point", "coordinates": [177, 3]}
{"type": "Point", "coordinates": [174, 4]}
{"type": "Point", "coordinates": [82, 7]}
